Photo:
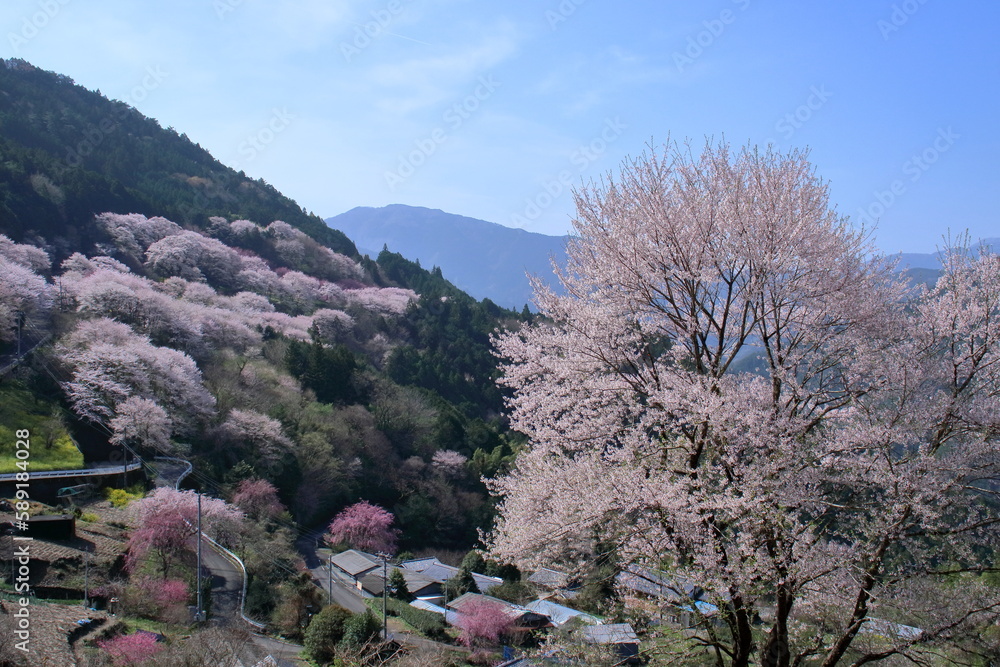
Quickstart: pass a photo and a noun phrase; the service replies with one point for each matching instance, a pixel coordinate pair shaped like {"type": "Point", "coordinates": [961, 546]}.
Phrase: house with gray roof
{"type": "Point", "coordinates": [620, 635]}
{"type": "Point", "coordinates": [439, 572]}
{"type": "Point", "coordinates": [548, 578]}
{"type": "Point", "coordinates": [656, 584]}
{"type": "Point", "coordinates": [420, 586]}
{"type": "Point", "coordinates": [354, 564]}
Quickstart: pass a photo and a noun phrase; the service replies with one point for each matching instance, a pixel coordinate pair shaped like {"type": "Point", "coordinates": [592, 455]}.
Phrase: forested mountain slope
{"type": "Point", "coordinates": [67, 153]}
{"type": "Point", "coordinates": [193, 310]}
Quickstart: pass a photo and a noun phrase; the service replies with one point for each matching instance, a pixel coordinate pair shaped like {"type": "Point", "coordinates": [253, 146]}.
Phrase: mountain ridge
{"type": "Point", "coordinates": [483, 258]}
{"type": "Point", "coordinates": [932, 260]}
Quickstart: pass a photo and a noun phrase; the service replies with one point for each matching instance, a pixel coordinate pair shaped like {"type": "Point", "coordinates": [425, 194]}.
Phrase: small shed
{"type": "Point", "coordinates": [355, 564]}
{"type": "Point", "coordinates": [620, 635]}
{"type": "Point", "coordinates": [52, 527]}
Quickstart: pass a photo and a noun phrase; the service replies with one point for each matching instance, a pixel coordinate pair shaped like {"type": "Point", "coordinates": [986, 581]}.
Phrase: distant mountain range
{"type": "Point", "coordinates": [491, 261]}
{"type": "Point", "coordinates": [485, 259]}
{"type": "Point", "coordinates": [932, 260]}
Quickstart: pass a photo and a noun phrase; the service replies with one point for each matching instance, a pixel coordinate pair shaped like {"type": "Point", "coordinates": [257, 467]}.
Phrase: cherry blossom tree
{"type": "Point", "coordinates": [449, 462]}
{"type": "Point", "coordinates": [193, 256]}
{"type": "Point", "coordinates": [166, 599]}
{"type": "Point", "coordinates": [169, 592]}
{"type": "Point", "coordinates": [259, 499]}
{"type": "Point", "coordinates": [133, 233]}
{"type": "Point", "coordinates": [483, 622]}
{"type": "Point", "coordinates": [343, 267]}
{"type": "Point", "coordinates": [847, 484]}
{"type": "Point", "coordinates": [244, 429]}
{"type": "Point", "coordinates": [301, 290]}
{"type": "Point", "coordinates": [189, 316]}
{"type": "Point", "coordinates": [250, 303]}
{"type": "Point", "coordinates": [366, 527]}
{"type": "Point", "coordinates": [164, 534]}
{"type": "Point", "coordinates": [140, 422]}
{"type": "Point", "coordinates": [110, 363]}
{"type": "Point", "coordinates": [78, 266]}
{"type": "Point", "coordinates": [77, 263]}
{"type": "Point", "coordinates": [255, 275]}
{"type": "Point", "coordinates": [21, 291]}
{"type": "Point", "coordinates": [177, 254]}
{"type": "Point", "coordinates": [294, 327]}
{"type": "Point", "coordinates": [332, 325]}
{"type": "Point", "coordinates": [383, 300]}
{"type": "Point", "coordinates": [245, 228]}
{"type": "Point", "coordinates": [30, 256]}
{"type": "Point", "coordinates": [167, 518]}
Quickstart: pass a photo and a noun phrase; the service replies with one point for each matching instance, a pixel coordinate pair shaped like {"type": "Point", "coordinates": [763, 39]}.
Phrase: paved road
{"type": "Point", "coordinates": [281, 650]}
{"type": "Point", "coordinates": [227, 578]}
{"type": "Point", "coordinates": [227, 584]}
{"type": "Point", "coordinates": [168, 472]}
{"type": "Point", "coordinates": [344, 593]}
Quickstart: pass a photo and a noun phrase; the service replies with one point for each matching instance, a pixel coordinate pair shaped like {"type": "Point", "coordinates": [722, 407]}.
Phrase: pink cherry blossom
{"type": "Point", "coordinates": [366, 527]}
{"type": "Point", "coordinates": [832, 484]}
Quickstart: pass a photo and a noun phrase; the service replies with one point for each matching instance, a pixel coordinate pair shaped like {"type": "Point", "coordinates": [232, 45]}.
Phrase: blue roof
{"type": "Point", "coordinates": [705, 608]}
{"type": "Point", "coordinates": [559, 614]}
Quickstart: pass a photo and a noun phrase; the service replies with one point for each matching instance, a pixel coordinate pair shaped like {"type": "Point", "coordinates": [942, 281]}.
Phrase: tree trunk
{"type": "Point", "coordinates": [743, 639]}
{"type": "Point", "coordinates": [776, 651]}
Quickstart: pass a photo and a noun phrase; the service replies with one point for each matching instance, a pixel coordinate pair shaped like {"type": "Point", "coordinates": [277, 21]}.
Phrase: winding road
{"type": "Point", "coordinates": [226, 576]}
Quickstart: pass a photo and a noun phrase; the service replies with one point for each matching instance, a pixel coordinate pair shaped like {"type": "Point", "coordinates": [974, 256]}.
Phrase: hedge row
{"type": "Point", "coordinates": [426, 622]}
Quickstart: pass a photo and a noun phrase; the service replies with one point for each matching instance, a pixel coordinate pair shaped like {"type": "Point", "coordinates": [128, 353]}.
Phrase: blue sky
{"type": "Point", "coordinates": [494, 110]}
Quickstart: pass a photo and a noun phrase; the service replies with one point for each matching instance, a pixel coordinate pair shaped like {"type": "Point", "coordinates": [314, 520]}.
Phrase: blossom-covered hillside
{"type": "Point", "coordinates": [257, 352]}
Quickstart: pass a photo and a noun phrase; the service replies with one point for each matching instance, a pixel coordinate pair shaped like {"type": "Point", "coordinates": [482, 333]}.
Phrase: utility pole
{"type": "Point", "coordinates": [200, 615]}
{"type": "Point", "coordinates": [385, 588]}
{"type": "Point", "coordinates": [329, 566]}
{"type": "Point", "coordinates": [86, 578]}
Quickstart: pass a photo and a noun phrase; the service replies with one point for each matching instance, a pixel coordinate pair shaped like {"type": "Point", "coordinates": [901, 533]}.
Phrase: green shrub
{"type": "Point", "coordinates": [360, 629]}
{"type": "Point", "coordinates": [261, 598]}
{"type": "Point", "coordinates": [324, 633]}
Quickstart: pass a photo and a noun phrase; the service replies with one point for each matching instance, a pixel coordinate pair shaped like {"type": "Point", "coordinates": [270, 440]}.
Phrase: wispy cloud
{"type": "Point", "coordinates": [584, 82]}
{"type": "Point", "coordinates": [425, 81]}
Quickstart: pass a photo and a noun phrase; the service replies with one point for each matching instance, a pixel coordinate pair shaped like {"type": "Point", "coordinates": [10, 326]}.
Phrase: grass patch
{"type": "Point", "coordinates": [51, 446]}
{"type": "Point", "coordinates": [133, 623]}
